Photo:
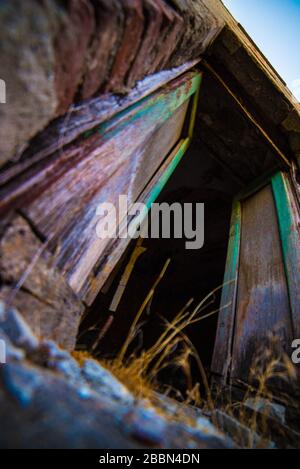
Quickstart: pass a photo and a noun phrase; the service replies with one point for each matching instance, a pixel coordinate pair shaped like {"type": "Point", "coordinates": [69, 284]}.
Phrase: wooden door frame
{"type": "Point", "coordinates": [115, 250]}
{"type": "Point", "coordinates": [289, 231]}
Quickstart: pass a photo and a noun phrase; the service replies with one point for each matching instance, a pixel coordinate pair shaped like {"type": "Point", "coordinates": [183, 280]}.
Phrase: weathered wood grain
{"type": "Point", "coordinates": [42, 175]}
{"type": "Point", "coordinates": [113, 169]}
{"type": "Point", "coordinates": [263, 308]}
{"type": "Point", "coordinates": [115, 248]}
{"type": "Point", "coordinates": [119, 158]}
{"type": "Point", "coordinates": [289, 228]}
{"type": "Point", "coordinates": [223, 344]}
{"type": "Point", "coordinates": [84, 117]}
{"type": "Point", "coordinates": [61, 52]}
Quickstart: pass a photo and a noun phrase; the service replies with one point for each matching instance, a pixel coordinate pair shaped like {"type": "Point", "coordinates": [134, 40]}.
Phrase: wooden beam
{"type": "Point", "coordinates": [279, 153]}
{"type": "Point", "coordinates": [83, 117]}
{"type": "Point", "coordinates": [223, 345]}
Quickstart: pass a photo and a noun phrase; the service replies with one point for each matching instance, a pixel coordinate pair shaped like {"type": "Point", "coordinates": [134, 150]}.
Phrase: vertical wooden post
{"type": "Point", "coordinates": [223, 344]}
{"type": "Point", "coordinates": [289, 228]}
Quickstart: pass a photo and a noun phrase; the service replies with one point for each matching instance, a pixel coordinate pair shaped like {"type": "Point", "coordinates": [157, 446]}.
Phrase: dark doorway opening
{"type": "Point", "coordinates": [191, 273]}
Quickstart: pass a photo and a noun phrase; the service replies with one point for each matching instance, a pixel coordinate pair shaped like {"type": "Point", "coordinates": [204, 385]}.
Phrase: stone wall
{"type": "Point", "coordinates": [55, 52]}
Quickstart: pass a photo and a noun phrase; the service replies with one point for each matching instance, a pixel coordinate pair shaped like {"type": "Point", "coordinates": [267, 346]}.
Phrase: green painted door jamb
{"type": "Point", "coordinates": [225, 332]}
{"type": "Point", "coordinates": [288, 222]}
{"type": "Point", "coordinates": [179, 151]}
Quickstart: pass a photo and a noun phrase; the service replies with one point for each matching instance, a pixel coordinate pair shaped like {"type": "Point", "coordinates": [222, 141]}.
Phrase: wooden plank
{"type": "Point", "coordinates": [289, 228]}
{"type": "Point", "coordinates": [121, 166]}
{"type": "Point", "coordinates": [281, 155]}
{"type": "Point", "coordinates": [144, 116]}
{"type": "Point", "coordinates": [119, 159]}
{"type": "Point", "coordinates": [223, 344]}
{"type": "Point", "coordinates": [247, 157]}
{"type": "Point", "coordinates": [87, 115]}
{"type": "Point", "coordinates": [100, 42]}
{"type": "Point", "coordinates": [157, 148]}
{"type": "Point", "coordinates": [59, 197]}
{"type": "Point", "coordinates": [116, 248]}
{"type": "Point", "coordinates": [262, 299]}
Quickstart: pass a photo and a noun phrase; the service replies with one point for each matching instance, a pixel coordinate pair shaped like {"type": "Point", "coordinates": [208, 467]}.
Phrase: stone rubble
{"type": "Point", "coordinates": [49, 400]}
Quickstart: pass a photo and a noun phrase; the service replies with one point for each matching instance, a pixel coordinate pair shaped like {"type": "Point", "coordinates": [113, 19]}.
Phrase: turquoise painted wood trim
{"type": "Point", "coordinates": [179, 151]}
{"type": "Point", "coordinates": [181, 148]}
{"type": "Point", "coordinates": [175, 158]}
{"type": "Point", "coordinates": [195, 105]}
{"type": "Point", "coordinates": [160, 106]}
{"type": "Point", "coordinates": [288, 221]}
{"type": "Point", "coordinates": [224, 339]}
{"type": "Point", "coordinates": [178, 155]}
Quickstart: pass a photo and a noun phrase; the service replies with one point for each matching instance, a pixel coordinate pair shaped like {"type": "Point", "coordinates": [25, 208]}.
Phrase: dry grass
{"type": "Point", "coordinates": [271, 363]}
{"type": "Point", "coordinates": [139, 373]}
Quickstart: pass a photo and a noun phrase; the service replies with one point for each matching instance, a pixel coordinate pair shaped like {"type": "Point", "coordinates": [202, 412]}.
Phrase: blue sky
{"type": "Point", "coordinates": [275, 27]}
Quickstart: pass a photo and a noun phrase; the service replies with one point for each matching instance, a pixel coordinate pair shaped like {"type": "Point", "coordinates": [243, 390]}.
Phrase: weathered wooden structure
{"type": "Point", "coordinates": [107, 105]}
